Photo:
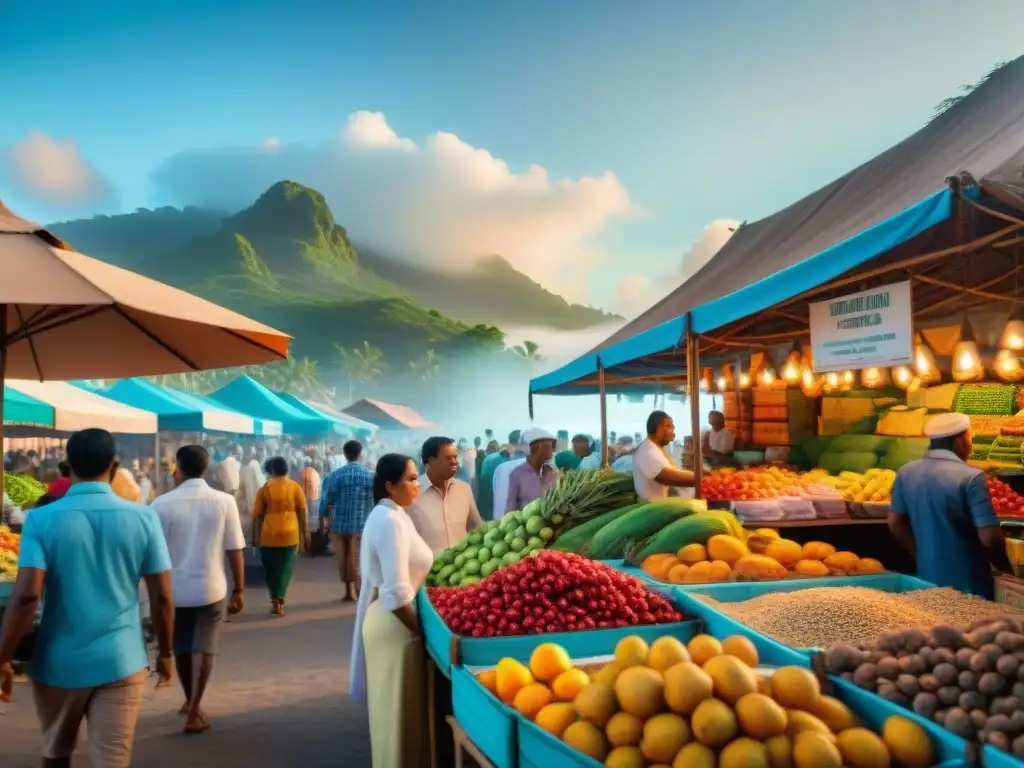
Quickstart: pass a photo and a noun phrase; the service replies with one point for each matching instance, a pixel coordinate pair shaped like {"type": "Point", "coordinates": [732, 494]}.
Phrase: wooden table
{"type": "Point", "coordinates": [817, 523]}
{"type": "Point", "coordinates": [464, 746]}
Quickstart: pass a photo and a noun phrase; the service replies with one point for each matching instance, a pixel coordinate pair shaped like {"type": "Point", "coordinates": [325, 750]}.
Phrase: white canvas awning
{"type": "Point", "coordinates": [75, 408]}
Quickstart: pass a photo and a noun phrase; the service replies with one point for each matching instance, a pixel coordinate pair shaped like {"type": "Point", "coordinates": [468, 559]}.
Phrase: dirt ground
{"type": "Point", "coordinates": [278, 694]}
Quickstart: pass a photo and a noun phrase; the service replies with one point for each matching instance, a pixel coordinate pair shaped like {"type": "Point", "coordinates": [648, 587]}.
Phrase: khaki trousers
{"type": "Point", "coordinates": [110, 711]}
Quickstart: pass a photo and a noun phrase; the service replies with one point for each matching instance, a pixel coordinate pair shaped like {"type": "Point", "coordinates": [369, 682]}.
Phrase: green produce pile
{"type": "Point", "coordinates": [578, 497]}
{"type": "Point", "coordinates": [22, 489]}
{"type": "Point", "coordinates": [986, 400]}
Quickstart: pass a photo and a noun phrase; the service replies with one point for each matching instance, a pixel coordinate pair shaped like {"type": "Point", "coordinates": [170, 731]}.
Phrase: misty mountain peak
{"type": "Point", "coordinates": [493, 263]}
{"type": "Point", "coordinates": [289, 210]}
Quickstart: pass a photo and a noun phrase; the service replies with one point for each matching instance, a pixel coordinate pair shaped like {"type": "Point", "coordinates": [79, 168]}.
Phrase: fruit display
{"type": "Point", "coordinates": [1006, 501]}
{"type": "Point", "coordinates": [761, 556]}
{"type": "Point", "coordinates": [550, 592]}
{"type": "Point", "coordinates": [875, 485]}
{"type": "Point", "coordinates": [821, 617]}
{"type": "Point", "coordinates": [766, 482]}
{"type": "Point", "coordinates": [640, 524]}
{"type": "Point", "coordinates": [10, 546]}
{"type": "Point", "coordinates": [970, 681]}
{"type": "Point", "coordinates": [577, 498]}
{"type": "Point", "coordinates": [697, 528]}
{"type": "Point", "coordinates": [986, 399]}
{"type": "Point", "coordinates": [705, 703]}
{"type": "Point", "coordinates": [23, 490]}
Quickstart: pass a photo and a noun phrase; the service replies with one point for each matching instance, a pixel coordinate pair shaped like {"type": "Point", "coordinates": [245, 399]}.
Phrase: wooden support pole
{"type": "Point", "coordinates": [604, 413]}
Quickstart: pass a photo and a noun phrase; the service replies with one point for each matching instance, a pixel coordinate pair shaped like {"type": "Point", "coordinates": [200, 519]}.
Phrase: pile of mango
{"type": "Point", "coordinates": [875, 485]}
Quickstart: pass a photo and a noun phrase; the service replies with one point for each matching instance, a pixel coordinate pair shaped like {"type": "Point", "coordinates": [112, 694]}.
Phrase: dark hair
{"type": "Point", "coordinates": [514, 436]}
{"type": "Point", "coordinates": [477, 441]}
{"type": "Point", "coordinates": [192, 461]}
{"type": "Point", "coordinates": [489, 433]}
{"type": "Point", "coordinates": [352, 450]}
{"type": "Point", "coordinates": [943, 443]}
{"type": "Point", "coordinates": [581, 438]}
{"type": "Point", "coordinates": [390, 469]}
{"type": "Point", "coordinates": [715, 413]}
{"type": "Point", "coordinates": [655, 420]}
{"type": "Point", "coordinates": [91, 453]}
{"type": "Point", "coordinates": [278, 466]}
{"type": "Point", "coordinates": [65, 468]}
{"type": "Point", "coordinates": [432, 447]}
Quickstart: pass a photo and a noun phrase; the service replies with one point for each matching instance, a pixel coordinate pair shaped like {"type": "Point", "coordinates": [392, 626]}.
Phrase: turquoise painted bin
{"type": "Point", "coordinates": [488, 651]}
{"type": "Point", "coordinates": [494, 727]}
{"type": "Point", "coordinates": [996, 758]}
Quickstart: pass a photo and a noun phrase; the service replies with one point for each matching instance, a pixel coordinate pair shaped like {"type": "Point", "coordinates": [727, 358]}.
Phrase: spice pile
{"type": "Point", "coordinates": [824, 616]}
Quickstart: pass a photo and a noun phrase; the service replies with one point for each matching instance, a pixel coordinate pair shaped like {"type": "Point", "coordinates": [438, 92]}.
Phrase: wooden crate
{"type": "Point", "coordinates": [771, 413]}
{"type": "Point", "coordinates": [771, 433]}
{"type": "Point", "coordinates": [770, 397]}
{"type": "Point", "coordinates": [1010, 591]}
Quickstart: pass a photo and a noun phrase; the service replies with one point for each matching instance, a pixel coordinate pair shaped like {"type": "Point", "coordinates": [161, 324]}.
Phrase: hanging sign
{"type": "Point", "coordinates": [872, 328]}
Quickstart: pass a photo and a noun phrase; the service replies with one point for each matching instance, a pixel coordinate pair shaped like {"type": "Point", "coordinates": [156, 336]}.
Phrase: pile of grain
{"type": "Point", "coordinates": [824, 616]}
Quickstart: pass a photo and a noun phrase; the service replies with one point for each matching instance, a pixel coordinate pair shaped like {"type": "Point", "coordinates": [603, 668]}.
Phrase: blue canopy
{"type": "Point", "coordinates": [264, 427]}
{"type": "Point", "coordinates": [897, 196]}
{"type": "Point", "coordinates": [343, 423]}
{"type": "Point", "coordinates": [25, 411]}
{"type": "Point", "coordinates": [179, 411]}
{"type": "Point", "coordinates": [247, 395]}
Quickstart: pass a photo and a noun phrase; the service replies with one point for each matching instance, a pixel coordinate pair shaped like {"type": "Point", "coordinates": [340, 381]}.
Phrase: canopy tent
{"type": "Point", "coordinates": [264, 427]}
{"type": "Point", "coordinates": [248, 396]}
{"type": "Point", "coordinates": [344, 423]}
{"type": "Point", "coordinates": [901, 198]}
{"type": "Point", "coordinates": [388, 415]}
{"type": "Point", "coordinates": [74, 408]}
{"type": "Point", "coordinates": [24, 411]}
{"type": "Point", "coordinates": [177, 411]}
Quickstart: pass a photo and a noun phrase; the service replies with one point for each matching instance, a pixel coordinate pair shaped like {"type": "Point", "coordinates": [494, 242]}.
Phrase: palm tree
{"type": "Point", "coordinates": [299, 376]}
{"type": "Point", "coordinates": [362, 364]}
{"type": "Point", "coordinates": [427, 367]}
{"type": "Point", "coordinates": [528, 351]}
{"type": "Point", "coordinates": [947, 104]}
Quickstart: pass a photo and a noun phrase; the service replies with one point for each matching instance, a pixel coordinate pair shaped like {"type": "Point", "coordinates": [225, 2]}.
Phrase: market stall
{"type": "Point", "coordinates": [388, 416]}
{"type": "Point", "coordinates": [246, 395]}
{"type": "Point", "coordinates": [356, 427]}
{"type": "Point", "coordinates": [177, 411]}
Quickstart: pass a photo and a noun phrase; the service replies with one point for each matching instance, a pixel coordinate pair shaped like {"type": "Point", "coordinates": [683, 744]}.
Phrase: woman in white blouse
{"type": "Point", "coordinates": [388, 662]}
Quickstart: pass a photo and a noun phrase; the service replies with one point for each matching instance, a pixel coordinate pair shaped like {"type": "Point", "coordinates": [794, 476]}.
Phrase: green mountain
{"type": "Point", "coordinates": [288, 242]}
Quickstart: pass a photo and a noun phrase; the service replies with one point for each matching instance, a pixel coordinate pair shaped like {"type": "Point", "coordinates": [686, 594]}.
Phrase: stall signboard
{"type": "Point", "coordinates": [870, 328]}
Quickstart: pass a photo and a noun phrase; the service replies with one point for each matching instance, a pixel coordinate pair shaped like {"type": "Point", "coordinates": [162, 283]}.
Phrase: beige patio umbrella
{"type": "Point", "coordinates": [64, 315]}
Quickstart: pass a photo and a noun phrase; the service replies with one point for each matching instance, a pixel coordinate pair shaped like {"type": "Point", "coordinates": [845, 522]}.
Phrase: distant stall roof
{"type": "Point", "coordinates": [882, 204]}
{"type": "Point", "coordinates": [24, 411]}
{"type": "Point", "coordinates": [342, 420]}
{"type": "Point", "coordinates": [247, 395]}
{"type": "Point", "coordinates": [388, 415]}
{"type": "Point", "coordinates": [177, 412]}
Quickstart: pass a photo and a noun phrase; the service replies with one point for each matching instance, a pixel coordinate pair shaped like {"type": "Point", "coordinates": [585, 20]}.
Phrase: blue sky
{"type": "Point", "coordinates": [701, 110]}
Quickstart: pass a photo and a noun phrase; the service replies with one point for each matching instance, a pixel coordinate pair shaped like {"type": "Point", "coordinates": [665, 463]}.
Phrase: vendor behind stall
{"type": "Point", "coordinates": [942, 513]}
{"type": "Point", "coordinates": [655, 476]}
{"type": "Point", "coordinates": [718, 445]}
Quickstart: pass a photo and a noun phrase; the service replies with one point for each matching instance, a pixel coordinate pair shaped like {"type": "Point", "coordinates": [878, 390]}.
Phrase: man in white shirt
{"type": "Point", "coordinates": [517, 451]}
{"type": "Point", "coordinates": [200, 525]}
{"type": "Point", "coordinates": [654, 474]}
{"type": "Point", "coordinates": [718, 445]}
{"type": "Point", "coordinates": [445, 510]}
{"type": "Point", "coordinates": [227, 474]}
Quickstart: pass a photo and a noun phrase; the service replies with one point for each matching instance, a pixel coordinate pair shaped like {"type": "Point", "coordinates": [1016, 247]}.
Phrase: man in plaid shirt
{"type": "Point", "coordinates": [346, 498]}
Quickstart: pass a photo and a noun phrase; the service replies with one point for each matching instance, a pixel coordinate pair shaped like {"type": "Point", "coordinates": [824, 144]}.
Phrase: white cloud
{"type": "Point", "coordinates": [52, 170]}
{"type": "Point", "coordinates": [271, 142]}
{"type": "Point", "coordinates": [636, 293]}
{"type": "Point", "coordinates": [442, 202]}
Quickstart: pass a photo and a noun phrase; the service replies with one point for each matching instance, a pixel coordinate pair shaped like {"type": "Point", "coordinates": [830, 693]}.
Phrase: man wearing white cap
{"type": "Point", "coordinates": [942, 513]}
{"type": "Point", "coordinates": [535, 476]}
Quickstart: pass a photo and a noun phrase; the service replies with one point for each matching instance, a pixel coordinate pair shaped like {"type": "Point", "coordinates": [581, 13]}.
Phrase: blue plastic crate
{"type": "Point", "coordinates": [539, 749]}
{"type": "Point", "coordinates": [996, 758]}
{"type": "Point", "coordinates": [488, 651]}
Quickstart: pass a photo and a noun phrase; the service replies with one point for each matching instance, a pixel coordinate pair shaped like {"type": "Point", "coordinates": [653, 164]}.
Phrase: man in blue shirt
{"type": "Point", "coordinates": [90, 549]}
{"type": "Point", "coordinates": [942, 513]}
{"type": "Point", "coordinates": [346, 500]}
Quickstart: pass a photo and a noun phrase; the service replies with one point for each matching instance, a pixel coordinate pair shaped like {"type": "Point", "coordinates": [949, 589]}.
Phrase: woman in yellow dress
{"type": "Point", "coordinates": [280, 512]}
{"type": "Point", "coordinates": [388, 661]}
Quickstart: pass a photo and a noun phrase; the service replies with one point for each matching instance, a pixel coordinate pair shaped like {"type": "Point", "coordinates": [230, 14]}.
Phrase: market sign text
{"type": "Point", "coordinates": [873, 328]}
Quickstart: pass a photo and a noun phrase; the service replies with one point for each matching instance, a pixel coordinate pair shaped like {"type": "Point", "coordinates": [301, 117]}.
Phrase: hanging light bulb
{"type": "Point", "coordinates": [846, 380]}
{"type": "Point", "coordinates": [874, 378]}
{"type": "Point", "coordinates": [966, 358]}
{"type": "Point", "coordinates": [1007, 366]}
{"type": "Point", "coordinates": [722, 383]}
{"type": "Point", "coordinates": [791, 369]}
{"type": "Point", "coordinates": [1013, 334]}
{"type": "Point", "coordinates": [831, 382]}
{"type": "Point", "coordinates": [744, 380]}
{"type": "Point", "coordinates": [924, 362]}
{"type": "Point", "coordinates": [914, 385]}
{"type": "Point", "coordinates": [708, 383]}
{"type": "Point", "coordinates": [766, 374]}
{"type": "Point", "coordinates": [902, 376]}
{"type": "Point", "coordinates": [810, 384]}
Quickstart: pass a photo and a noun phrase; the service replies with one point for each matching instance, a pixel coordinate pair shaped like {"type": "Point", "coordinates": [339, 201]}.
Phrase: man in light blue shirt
{"type": "Point", "coordinates": [942, 512]}
{"type": "Point", "coordinates": [90, 549]}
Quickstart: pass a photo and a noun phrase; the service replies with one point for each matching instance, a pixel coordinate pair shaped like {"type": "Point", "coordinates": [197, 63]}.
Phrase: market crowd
{"type": "Point", "coordinates": [384, 514]}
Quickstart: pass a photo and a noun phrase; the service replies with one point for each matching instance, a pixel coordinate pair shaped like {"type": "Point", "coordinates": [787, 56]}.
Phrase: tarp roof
{"type": "Point", "coordinates": [344, 423]}
{"type": "Point", "coordinates": [75, 408]}
{"type": "Point", "coordinates": [176, 412]}
{"type": "Point", "coordinates": [25, 411]}
{"type": "Point", "coordinates": [388, 415]}
{"type": "Point", "coordinates": [247, 395]}
{"type": "Point", "coordinates": [881, 204]}
{"type": "Point", "coordinates": [264, 427]}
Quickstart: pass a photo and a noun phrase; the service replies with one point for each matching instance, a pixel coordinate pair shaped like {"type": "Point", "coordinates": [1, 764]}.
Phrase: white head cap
{"type": "Point", "coordinates": [532, 435]}
{"type": "Point", "coordinates": [947, 425]}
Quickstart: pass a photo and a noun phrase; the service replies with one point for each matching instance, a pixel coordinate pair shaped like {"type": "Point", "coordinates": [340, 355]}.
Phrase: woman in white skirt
{"type": "Point", "coordinates": [388, 662]}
